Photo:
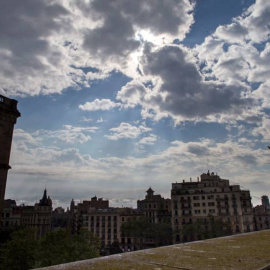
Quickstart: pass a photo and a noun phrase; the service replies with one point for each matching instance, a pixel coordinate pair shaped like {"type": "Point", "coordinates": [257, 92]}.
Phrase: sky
{"type": "Point", "coordinates": [116, 96]}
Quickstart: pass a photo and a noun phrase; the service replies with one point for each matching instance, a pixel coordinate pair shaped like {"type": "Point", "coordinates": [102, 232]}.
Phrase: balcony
{"type": "Point", "coordinates": [222, 199]}
{"type": "Point", "coordinates": [223, 206]}
{"type": "Point", "coordinates": [223, 214]}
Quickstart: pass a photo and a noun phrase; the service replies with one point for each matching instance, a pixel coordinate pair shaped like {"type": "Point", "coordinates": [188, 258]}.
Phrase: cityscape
{"type": "Point", "coordinates": [209, 201]}
{"type": "Point", "coordinates": [134, 134]}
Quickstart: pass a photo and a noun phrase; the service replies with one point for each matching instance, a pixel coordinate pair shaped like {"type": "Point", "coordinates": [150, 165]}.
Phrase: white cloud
{"type": "Point", "coordinates": [177, 89]}
{"type": "Point", "coordinates": [99, 104]}
{"type": "Point", "coordinates": [126, 131]}
{"type": "Point", "coordinates": [44, 45]}
{"type": "Point", "coordinates": [69, 170]}
{"type": "Point", "coordinates": [151, 139]}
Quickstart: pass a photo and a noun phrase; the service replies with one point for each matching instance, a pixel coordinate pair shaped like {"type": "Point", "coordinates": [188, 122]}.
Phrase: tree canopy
{"type": "Point", "coordinates": [24, 252]}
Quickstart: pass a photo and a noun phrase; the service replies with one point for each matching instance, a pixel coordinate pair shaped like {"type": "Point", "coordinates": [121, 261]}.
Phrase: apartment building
{"type": "Point", "coordinates": [11, 215]}
{"type": "Point", "coordinates": [77, 211]}
{"type": "Point", "coordinates": [209, 199]}
{"type": "Point", "coordinates": [39, 216]}
{"type": "Point", "coordinates": [156, 208]}
{"type": "Point", "coordinates": [262, 215]}
{"type": "Point", "coordinates": [106, 224]}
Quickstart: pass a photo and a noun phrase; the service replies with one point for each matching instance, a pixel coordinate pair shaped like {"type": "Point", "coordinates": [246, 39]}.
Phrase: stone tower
{"type": "Point", "coordinates": [8, 118]}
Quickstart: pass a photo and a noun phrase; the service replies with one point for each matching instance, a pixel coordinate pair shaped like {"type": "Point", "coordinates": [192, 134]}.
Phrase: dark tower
{"type": "Point", "coordinates": [265, 202]}
{"type": "Point", "coordinates": [8, 118]}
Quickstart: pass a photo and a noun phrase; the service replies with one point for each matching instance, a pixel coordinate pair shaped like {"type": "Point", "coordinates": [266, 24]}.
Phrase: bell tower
{"type": "Point", "coordinates": [8, 118]}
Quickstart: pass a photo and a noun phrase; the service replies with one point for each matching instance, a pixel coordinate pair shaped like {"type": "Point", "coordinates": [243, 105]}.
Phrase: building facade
{"type": "Point", "coordinates": [156, 208]}
{"type": "Point", "coordinates": [210, 200]}
{"type": "Point", "coordinates": [77, 211]}
{"type": "Point", "coordinates": [39, 216]}
{"type": "Point", "coordinates": [265, 201]}
{"type": "Point", "coordinates": [262, 215]}
{"type": "Point", "coordinates": [106, 224]}
{"type": "Point", "coordinates": [8, 118]}
{"type": "Point", "coordinates": [11, 215]}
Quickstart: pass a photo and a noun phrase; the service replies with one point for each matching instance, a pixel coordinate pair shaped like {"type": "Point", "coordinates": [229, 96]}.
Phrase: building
{"type": "Point", "coordinates": [39, 216]}
{"type": "Point", "coordinates": [155, 208]}
{"type": "Point", "coordinates": [8, 118]}
{"type": "Point", "coordinates": [106, 224]}
{"type": "Point", "coordinates": [11, 215]}
{"type": "Point", "coordinates": [104, 221]}
{"type": "Point", "coordinates": [60, 218]}
{"type": "Point", "coordinates": [262, 215]}
{"type": "Point", "coordinates": [265, 202]}
{"type": "Point", "coordinates": [77, 211]}
{"type": "Point", "coordinates": [208, 202]}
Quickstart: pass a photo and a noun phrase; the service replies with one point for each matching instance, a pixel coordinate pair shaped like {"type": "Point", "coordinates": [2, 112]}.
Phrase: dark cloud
{"type": "Point", "coordinates": [25, 49]}
{"type": "Point", "coordinates": [198, 150]}
{"type": "Point", "coordinates": [247, 159]}
{"type": "Point", "coordinates": [186, 92]}
{"type": "Point", "coordinates": [121, 18]}
{"type": "Point", "coordinates": [24, 25]}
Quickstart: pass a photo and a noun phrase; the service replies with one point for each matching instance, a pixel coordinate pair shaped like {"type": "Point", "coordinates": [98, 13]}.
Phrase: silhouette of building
{"type": "Point", "coordinates": [265, 201]}
{"type": "Point", "coordinates": [11, 215]}
{"type": "Point", "coordinates": [8, 118]}
{"type": "Point", "coordinates": [208, 201]}
{"type": "Point", "coordinates": [155, 208]}
{"type": "Point", "coordinates": [104, 221]}
{"type": "Point", "coordinates": [38, 216]}
{"type": "Point", "coordinates": [77, 211]}
{"type": "Point", "coordinates": [262, 215]}
{"type": "Point", "coordinates": [106, 224]}
{"type": "Point", "coordinates": [60, 218]}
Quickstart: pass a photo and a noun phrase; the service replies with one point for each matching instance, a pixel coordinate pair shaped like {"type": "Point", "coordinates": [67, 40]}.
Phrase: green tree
{"type": "Point", "coordinates": [25, 252]}
{"type": "Point", "coordinates": [141, 229]}
{"type": "Point", "coordinates": [60, 246]}
{"type": "Point", "coordinates": [19, 253]}
{"type": "Point", "coordinates": [204, 229]}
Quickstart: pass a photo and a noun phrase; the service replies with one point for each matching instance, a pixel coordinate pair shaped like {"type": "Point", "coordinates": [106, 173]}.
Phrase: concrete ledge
{"type": "Point", "coordinates": [241, 252]}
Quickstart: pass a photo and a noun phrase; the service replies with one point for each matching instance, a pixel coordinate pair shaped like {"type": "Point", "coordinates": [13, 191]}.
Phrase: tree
{"type": "Point", "coordinates": [19, 252]}
{"type": "Point", "coordinates": [24, 252]}
{"type": "Point", "coordinates": [141, 230]}
{"type": "Point", "coordinates": [206, 228]}
{"type": "Point", "coordinates": [61, 246]}
{"type": "Point", "coordinates": [113, 248]}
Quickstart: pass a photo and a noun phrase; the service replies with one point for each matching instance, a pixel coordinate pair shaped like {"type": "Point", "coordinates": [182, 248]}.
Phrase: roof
{"type": "Point", "coordinates": [150, 190]}
{"type": "Point", "coordinates": [240, 252]}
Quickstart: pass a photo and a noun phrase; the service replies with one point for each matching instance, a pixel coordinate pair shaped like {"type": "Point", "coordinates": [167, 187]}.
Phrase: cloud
{"type": "Point", "coordinates": [149, 140]}
{"type": "Point", "coordinates": [119, 22]}
{"type": "Point", "coordinates": [238, 54]}
{"type": "Point", "coordinates": [29, 61]}
{"type": "Point", "coordinates": [263, 130]}
{"type": "Point", "coordinates": [70, 134]}
{"type": "Point", "coordinates": [71, 171]}
{"type": "Point", "coordinates": [178, 88]}
{"type": "Point", "coordinates": [99, 104]}
{"type": "Point", "coordinates": [126, 131]}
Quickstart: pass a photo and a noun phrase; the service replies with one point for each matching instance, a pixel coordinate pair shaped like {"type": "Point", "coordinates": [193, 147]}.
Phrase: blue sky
{"type": "Point", "coordinates": [117, 96]}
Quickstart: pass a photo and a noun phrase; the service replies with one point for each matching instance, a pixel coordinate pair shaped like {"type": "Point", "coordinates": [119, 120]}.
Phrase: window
{"type": "Point", "coordinates": [1, 99]}
{"type": "Point", "coordinates": [197, 204]}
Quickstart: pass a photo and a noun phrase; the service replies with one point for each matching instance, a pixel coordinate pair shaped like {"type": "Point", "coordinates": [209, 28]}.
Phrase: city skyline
{"type": "Point", "coordinates": [116, 97]}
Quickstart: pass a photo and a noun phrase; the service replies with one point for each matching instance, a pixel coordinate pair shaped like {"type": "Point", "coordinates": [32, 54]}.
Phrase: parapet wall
{"type": "Point", "coordinates": [241, 252]}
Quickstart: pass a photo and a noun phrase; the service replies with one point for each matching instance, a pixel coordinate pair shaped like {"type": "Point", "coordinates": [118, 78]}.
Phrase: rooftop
{"type": "Point", "coordinates": [241, 252]}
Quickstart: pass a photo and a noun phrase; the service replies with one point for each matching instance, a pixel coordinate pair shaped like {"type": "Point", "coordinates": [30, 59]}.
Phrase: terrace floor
{"type": "Point", "coordinates": [242, 252]}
